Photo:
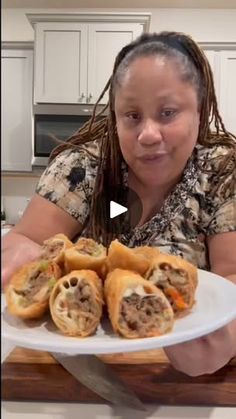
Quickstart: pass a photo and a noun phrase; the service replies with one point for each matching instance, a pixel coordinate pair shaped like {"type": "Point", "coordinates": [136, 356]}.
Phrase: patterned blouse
{"type": "Point", "coordinates": [201, 204]}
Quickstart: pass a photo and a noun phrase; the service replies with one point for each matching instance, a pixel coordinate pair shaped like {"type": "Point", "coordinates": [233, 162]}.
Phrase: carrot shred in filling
{"type": "Point", "coordinates": [176, 297]}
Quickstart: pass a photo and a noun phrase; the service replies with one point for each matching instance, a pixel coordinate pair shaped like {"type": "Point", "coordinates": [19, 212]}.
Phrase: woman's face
{"type": "Point", "coordinates": [157, 120]}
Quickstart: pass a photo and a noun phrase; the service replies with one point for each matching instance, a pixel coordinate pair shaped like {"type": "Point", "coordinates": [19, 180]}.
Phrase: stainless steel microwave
{"type": "Point", "coordinates": [50, 121]}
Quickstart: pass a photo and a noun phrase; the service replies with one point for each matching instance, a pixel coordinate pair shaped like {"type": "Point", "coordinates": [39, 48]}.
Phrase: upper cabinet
{"type": "Point", "coordinates": [74, 59]}
{"type": "Point", "coordinates": [223, 64]}
{"type": "Point", "coordinates": [60, 73]}
{"type": "Point", "coordinates": [16, 130]}
{"type": "Point", "coordinates": [227, 88]}
{"type": "Point", "coordinates": [105, 41]}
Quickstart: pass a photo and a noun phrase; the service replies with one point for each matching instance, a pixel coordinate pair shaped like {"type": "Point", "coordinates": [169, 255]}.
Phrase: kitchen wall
{"type": "Point", "coordinates": [213, 25]}
{"type": "Point", "coordinates": [16, 190]}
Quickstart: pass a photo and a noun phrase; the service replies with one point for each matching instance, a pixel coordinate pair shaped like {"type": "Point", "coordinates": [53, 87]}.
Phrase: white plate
{"type": "Point", "coordinates": [215, 306]}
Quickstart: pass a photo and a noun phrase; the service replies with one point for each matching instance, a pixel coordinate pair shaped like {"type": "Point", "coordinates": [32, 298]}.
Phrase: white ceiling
{"type": "Point", "coordinates": [58, 4]}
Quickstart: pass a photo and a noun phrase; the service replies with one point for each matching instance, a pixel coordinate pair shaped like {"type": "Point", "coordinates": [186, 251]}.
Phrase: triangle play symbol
{"type": "Point", "coordinates": [116, 209]}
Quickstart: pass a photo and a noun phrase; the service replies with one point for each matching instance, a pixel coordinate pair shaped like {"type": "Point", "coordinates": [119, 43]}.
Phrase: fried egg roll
{"type": "Point", "coordinates": [27, 295]}
{"type": "Point", "coordinates": [137, 259]}
{"type": "Point", "coordinates": [76, 303]}
{"type": "Point", "coordinates": [136, 307]}
{"type": "Point", "coordinates": [86, 254]}
{"type": "Point", "coordinates": [177, 278]}
{"type": "Point", "coordinates": [54, 248]}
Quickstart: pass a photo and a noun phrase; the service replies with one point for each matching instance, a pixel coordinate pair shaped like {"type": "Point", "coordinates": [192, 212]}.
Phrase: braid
{"type": "Point", "coordinates": [102, 127]}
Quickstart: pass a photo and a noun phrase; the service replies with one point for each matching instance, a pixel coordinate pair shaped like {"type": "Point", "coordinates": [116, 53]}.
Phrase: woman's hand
{"type": "Point", "coordinates": [210, 353]}
{"type": "Point", "coordinates": [25, 250]}
{"type": "Point", "coordinates": [204, 355]}
{"type": "Point", "coordinates": [42, 219]}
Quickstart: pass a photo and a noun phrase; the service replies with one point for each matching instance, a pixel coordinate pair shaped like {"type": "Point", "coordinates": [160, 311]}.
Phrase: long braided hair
{"type": "Point", "coordinates": [103, 127]}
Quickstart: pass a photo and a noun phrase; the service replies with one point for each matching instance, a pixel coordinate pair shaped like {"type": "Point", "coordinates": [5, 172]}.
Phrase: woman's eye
{"type": "Point", "coordinates": [133, 116]}
{"type": "Point", "coordinates": [168, 113]}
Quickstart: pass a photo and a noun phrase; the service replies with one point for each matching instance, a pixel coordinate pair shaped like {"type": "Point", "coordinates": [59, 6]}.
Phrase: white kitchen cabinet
{"type": "Point", "coordinates": [105, 41]}
{"type": "Point", "coordinates": [73, 61]}
{"type": "Point", "coordinates": [212, 57]}
{"type": "Point", "coordinates": [16, 97]}
{"type": "Point", "coordinates": [60, 74]}
{"type": "Point", "coordinates": [227, 89]}
{"type": "Point", "coordinates": [223, 64]}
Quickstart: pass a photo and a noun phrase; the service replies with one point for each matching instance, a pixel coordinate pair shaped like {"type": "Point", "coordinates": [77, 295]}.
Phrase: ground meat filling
{"type": "Point", "coordinates": [36, 282]}
{"type": "Point", "coordinates": [91, 250]}
{"type": "Point", "coordinates": [142, 313]}
{"type": "Point", "coordinates": [86, 250]}
{"type": "Point", "coordinates": [166, 278]}
{"type": "Point", "coordinates": [79, 302]}
{"type": "Point", "coordinates": [52, 250]}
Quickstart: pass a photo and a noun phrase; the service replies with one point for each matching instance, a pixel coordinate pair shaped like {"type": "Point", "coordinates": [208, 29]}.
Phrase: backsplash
{"type": "Point", "coordinates": [16, 191]}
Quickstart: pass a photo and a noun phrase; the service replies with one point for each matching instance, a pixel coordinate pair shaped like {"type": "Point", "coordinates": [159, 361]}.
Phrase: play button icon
{"type": "Point", "coordinates": [119, 210]}
{"type": "Point", "coordinates": [116, 209]}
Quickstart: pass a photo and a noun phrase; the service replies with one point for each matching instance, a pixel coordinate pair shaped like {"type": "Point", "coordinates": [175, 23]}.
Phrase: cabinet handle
{"type": "Point", "coordinates": [81, 97]}
{"type": "Point", "coordinates": [89, 98]}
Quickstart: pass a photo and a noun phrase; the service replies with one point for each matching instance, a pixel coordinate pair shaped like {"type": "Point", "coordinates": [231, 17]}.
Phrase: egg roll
{"type": "Point", "coordinates": [136, 307]}
{"type": "Point", "coordinates": [177, 278]}
{"type": "Point", "coordinates": [137, 259]}
{"type": "Point", "coordinates": [76, 303]}
{"type": "Point", "coordinates": [86, 254]}
{"type": "Point", "coordinates": [54, 248]}
{"type": "Point", "coordinates": [27, 295]}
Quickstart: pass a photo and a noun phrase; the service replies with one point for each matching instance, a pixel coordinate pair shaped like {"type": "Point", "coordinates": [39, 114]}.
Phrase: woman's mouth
{"type": "Point", "coordinates": [152, 158]}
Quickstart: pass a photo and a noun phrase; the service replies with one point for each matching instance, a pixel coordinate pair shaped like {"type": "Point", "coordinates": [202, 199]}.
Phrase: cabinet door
{"type": "Point", "coordinates": [60, 62]}
{"type": "Point", "coordinates": [212, 57]}
{"type": "Point", "coordinates": [227, 84]}
{"type": "Point", "coordinates": [105, 41]}
{"type": "Point", "coordinates": [16, 131]}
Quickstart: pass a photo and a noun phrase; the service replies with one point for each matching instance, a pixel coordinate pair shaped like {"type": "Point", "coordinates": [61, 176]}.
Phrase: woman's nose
{"type": "Point", "coordinates": [150, 133]}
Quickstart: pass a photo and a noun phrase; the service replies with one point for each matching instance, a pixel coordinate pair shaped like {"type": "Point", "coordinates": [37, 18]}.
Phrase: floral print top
{"type": "Point", "coordinates": [201, 204]}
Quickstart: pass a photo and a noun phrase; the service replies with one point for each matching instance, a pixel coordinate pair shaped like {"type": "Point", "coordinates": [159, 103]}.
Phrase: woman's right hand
{"type": "Point", "coordinates": [25, 250]}
{"type": "Point", "coordinates": [42, 219]}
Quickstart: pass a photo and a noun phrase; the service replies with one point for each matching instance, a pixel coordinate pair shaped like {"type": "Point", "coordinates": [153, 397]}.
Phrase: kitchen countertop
{"type": "Point", "coordinates": [90, 409]}
{"type": "Point", "coordinates": [23, 410]}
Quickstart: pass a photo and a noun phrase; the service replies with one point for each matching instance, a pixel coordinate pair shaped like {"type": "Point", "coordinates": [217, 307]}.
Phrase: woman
{"type": "Point", "coordinates": [158, 140]}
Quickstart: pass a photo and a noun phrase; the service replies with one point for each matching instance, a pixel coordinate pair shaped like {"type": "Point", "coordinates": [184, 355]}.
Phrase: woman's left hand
{"type": "Point", "coordinates": [204, 355]}
{"type": "Point", "coordinates": [210, 353]}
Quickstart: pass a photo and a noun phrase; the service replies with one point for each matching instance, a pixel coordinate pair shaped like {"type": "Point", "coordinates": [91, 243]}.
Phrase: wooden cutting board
{"type": "Point", "coordinates": [29, 375]}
